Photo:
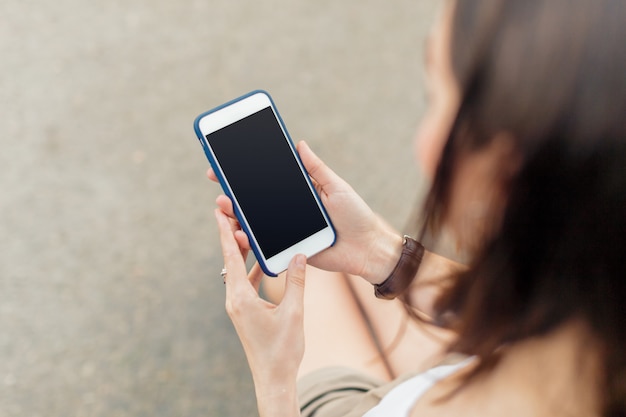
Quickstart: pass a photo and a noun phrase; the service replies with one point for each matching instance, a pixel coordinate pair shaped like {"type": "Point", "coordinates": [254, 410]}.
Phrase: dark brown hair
{"type": "Point", "coordinates": [552, 74]}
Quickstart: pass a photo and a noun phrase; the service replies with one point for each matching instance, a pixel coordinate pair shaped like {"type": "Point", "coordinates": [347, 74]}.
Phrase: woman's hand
{"type": "Point", "coordinates": [365, 246]}
{"type": "Point", "coordinates": [365, 243]}
{"type": "Point", "coordinates": [272, 335]}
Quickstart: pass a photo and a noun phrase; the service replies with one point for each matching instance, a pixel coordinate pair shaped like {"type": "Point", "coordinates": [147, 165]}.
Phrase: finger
{"type": "Point", "coordinates": [233, 260]}
{"type": "Point", "coordinates": [242, 239]}
{"type": "Point", "coordinates": [211, 175]}
{"type": "Point", "coordinates": [244, 246]}
{"type": "Point", "coordinates": [293, 297]}
{"type": "Point", "coordinates": [255, 276]}
{"type": "Point", "coordinates": [316, 168]}
{"type": "Point", "coordinates": [234, 224]}
{"type": "Point", "coordinates": [226, 205]}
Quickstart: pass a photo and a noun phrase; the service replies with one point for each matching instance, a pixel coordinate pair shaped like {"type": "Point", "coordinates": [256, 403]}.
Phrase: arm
{"type": "Point", "coordinates": [277, 401]}
{"type": "Point", "coordinates": [272, 335]}
{"type": "Point", "coordinates": [367, 246]}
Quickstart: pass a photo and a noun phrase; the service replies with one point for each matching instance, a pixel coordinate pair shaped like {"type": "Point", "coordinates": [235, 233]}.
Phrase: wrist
{"type": "Point", "coordinates": [277, 399]}
{"type": "Point", "coordinates": [404, 272]}
{"type": "Point", "coordinates": [383, 256]}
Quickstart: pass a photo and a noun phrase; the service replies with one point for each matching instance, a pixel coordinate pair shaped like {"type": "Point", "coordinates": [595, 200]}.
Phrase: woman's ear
{"type": "Point", "coordinates": [479, 191]}
{"type": "Point", "coordinates": [505, 157]}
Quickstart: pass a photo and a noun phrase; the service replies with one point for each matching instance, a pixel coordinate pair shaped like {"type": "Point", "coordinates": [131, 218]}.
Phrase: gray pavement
{"type": "Point", "coordinates": [111, 303]}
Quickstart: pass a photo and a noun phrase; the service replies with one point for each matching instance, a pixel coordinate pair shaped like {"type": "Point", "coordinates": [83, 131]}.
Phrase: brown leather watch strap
{"type": "Point", "coordinates": [404, 272]}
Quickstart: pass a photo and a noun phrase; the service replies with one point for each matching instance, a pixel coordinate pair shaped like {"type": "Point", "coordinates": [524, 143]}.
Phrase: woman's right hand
{"type": "Point", "coordinates": [366, 245]}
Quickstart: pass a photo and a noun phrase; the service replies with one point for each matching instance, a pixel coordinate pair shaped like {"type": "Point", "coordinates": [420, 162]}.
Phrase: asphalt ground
{"type": "Point", "coordinates": [111, 302]}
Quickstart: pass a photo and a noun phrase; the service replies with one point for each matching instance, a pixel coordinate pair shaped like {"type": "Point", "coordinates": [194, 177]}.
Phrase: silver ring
{"type": "Point", "coordinates": [223, 274]}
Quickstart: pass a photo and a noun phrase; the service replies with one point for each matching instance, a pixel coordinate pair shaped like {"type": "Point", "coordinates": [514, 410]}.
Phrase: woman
{"type": "Point", "coordinates": [526, 141]}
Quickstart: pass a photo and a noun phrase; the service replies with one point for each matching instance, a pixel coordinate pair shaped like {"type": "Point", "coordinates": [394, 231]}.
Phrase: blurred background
{"type": "Point", "coordinates": [111, 302]}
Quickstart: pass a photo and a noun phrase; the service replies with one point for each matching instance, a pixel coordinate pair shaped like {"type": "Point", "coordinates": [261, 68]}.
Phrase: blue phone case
{"type": "Point", "coordinates": [201, 138]}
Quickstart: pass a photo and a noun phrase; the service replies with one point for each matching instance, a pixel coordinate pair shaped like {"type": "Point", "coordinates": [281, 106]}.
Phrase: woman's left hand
{"type": "Point", "coordinates": [272, 335]}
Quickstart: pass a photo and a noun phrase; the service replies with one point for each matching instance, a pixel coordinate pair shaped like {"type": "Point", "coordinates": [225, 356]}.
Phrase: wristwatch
{"type": "Point", "coordinates": [404, 271]}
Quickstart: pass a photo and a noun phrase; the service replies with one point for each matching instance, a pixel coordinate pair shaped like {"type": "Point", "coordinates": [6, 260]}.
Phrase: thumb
{"type": "Point", "coordinates": [294, 285]}
{"type": "Point", "coordinates": [316, 168]}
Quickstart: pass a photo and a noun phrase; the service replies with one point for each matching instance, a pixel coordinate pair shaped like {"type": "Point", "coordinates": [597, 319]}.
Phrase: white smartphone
{"type": "Point", "coordinates": [248, 146]}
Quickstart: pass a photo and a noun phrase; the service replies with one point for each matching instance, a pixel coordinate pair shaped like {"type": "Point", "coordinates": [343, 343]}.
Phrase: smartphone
{"type": "Point", "coordinates": [248, 147]}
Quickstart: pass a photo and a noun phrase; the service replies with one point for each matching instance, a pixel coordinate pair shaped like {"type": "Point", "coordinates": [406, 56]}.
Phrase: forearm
{"type": "Point", "coordinates": [383, 254]}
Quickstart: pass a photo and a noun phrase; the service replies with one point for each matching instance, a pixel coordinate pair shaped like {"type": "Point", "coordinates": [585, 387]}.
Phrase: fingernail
{"type": "Point", "coordinates": [300, 260]}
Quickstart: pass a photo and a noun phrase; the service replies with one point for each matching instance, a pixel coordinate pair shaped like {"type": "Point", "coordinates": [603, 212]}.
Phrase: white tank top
{"type": "Point", "coordinates": [400, 401]}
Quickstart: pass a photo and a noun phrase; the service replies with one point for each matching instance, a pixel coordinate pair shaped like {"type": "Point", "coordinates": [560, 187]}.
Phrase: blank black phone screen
{"type": "Point", "coordinates": [266, 180]}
